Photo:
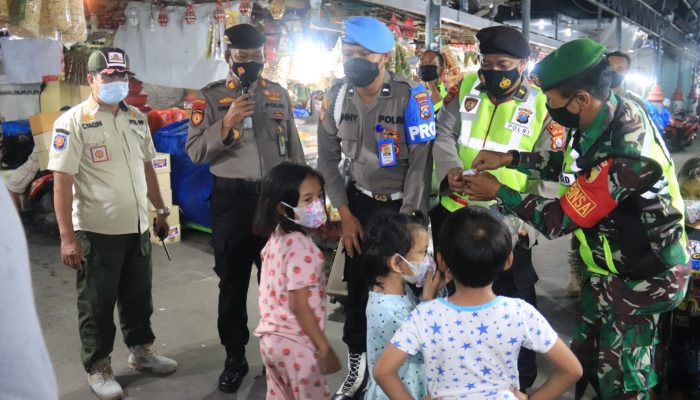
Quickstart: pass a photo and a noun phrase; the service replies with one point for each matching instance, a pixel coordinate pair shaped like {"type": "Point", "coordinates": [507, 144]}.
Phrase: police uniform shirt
{"type": "Point", "coordinates": [272, 140]}
{"type": "Point", "coordinates": [105, 154]}
{"type": "Point", "coordinates": [360, 128]}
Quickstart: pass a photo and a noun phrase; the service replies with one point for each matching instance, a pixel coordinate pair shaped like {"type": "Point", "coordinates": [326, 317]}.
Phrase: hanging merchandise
{"type": "Point", "coordinates": [108, 21]}
{"type": "Point", "coordinates": [277, 9]}
{"type": "Point", "coordinates": [25, 16]}
{"type": "Point", "coordinates": [120, 16]}
{"type": "Point", "coordinates": [94, 24]}
{"type": "Point", "coordinates": [394, 27]}
{"type": "Point", "coordinates": [190, 16]}
{"type": "Point", "coordinates": [78, 30]}
{"type": "Point", "coordinates": [152, 21]}
{"type": "Point", "coordinates": [409, 29]}
{"type": "Point", "coordinates": [219, 42]}
{"type": "Point", "coordinates": [271, 41]}
{"type": "Point", "coordinates": [315, 4]}
{"type": "Point", "coordinates": [133, 17]}
{"type": "Point", "coordinates": [163, 17]}
{"type": "Point", "coordinates": [4, 13]}
{"type": "Point", "coordinates": [246, 8]}
{"type": "Point", "coordinates": [399, 61]}
{"type": "Point", "coordinates": [263, 3]}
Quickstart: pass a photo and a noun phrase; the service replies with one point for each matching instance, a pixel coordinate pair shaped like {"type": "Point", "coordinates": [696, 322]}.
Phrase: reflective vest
{"type": "Point", "coordinates": [513, 125]}
{"type": "Point", "coordinates": [652, 148]}
{"type": "Point", "coordinates": [443, 92]}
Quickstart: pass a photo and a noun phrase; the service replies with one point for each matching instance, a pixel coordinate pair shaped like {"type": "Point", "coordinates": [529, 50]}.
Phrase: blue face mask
{"type": "Point", "coordinates": [113, 92]}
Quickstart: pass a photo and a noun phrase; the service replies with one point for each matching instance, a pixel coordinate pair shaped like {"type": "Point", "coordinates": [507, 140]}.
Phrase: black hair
{"type": "Point", "coordinates": [281, 184]}
{"type": "Point", "coordinates": [690, 170]}
{"type": "Point", "coordinates": [620, 54]}
{"type": "Point", "coordinates": [596, 81]}
{"type": "Point", "coordinates": [440, 57]}
{"type": "Point", "coordinates": [475, 245]}
{"type": "Point", "coordinates": [387, 233]}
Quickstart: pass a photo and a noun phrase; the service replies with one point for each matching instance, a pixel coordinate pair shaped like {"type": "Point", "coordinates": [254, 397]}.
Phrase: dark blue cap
{"type": "Point", "coordinates": [369, 33]}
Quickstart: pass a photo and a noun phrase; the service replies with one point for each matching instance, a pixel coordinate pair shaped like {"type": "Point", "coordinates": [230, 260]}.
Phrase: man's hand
{"type": "Point", "coordinates": [489, 160]}
{"type": "Point", "coordinates": [455, 180]}
{"type": "Point", "coordinates": [241, 108]}
{"type": "Point", "coordinates": [481, 187]}
{"type": "Point", "coordinates": [160, 226]}
{"type": "Point", "coordinates": [352, 232]}
{"type": "Point", "coordinates": [72, 253]}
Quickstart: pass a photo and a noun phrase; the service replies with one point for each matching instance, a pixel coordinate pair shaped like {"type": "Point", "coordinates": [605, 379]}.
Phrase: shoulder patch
{"type": "Point", "coordinates": [588, 200]}
{"type": "Point", "coordinates": [451, 94]}
{"type": "Point", "coordinates": [60, 140]}
{"type": "Point", "coordinates": [522, 93]}
{"type": "Point", "coordinates": [557, 131]}
{"type": "Point", "coordinates": [419, 120]}
{"type": "Point", "coordinates": [197, 116]}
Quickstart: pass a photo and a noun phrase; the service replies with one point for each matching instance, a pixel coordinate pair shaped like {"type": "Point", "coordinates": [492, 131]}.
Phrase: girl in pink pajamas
{"type": "Point", "coordinates": [294, 349]}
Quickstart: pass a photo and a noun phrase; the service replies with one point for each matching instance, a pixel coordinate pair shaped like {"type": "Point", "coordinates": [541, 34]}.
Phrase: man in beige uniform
{"type": "Point", "coordinates": [101, 157]}
{"type": "Point", "coordinates": [243, 126]}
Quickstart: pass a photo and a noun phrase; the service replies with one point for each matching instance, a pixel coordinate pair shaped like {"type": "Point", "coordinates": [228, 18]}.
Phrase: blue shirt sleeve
{"type": "Point", "coordinates": [419, 118]}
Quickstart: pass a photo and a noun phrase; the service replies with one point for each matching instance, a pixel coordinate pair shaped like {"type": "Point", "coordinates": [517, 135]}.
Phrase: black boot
{"type": "Point", "coordinates": [356, 380]}
{"type": "Point", "coordinates": [235, 369]}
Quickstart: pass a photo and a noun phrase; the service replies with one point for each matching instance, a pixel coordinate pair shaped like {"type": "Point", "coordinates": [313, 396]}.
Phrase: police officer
{"type": "Point", "coordinates": [101, 156]}
{"type": "Point", "coordinates": [431, 71]}
{"type": "Point", "coordinates": [383, 124]}
{"type": "Point", "coordinates": [623, 203]}
{"type": "Point", "coordinates": [243, 126]}
{"type": "Point", "coordinates": [497, 109]}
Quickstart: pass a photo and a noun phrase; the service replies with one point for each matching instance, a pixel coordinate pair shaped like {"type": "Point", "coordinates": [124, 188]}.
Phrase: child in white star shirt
{"type": "Point", "coordinates": [470, 341]}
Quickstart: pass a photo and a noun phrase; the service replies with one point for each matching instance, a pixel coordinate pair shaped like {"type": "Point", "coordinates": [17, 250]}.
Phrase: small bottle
{"type": "Point", "coordinates": [248, 123]}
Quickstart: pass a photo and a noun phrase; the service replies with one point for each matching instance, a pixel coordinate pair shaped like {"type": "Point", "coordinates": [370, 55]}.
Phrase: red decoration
{"type": "Point", "coordinates": [219, 14]}
{"type": "Point", "coordinates": [246, 9]}
{"type": "Point", "coordinates": [271, 41]}
{"type": "Point", "coordinates": [656, 95]}
{"type": "Point", "coordinates": [163, 17]}
{"type": "Point", "coordinates": [693, 94]}
{"type": "Point", "coordinates": [120, 16]}
{"type": "Point", "coordinates": [394, 27]}
{"type": "Point", "coordinates": [409, 28]}
{"type": "Point", "coordinates": [107, 21]}
{"type": "Point", "coordinates": [136, 96]}
{"type": "Point", "coordinates": [678, 95]}
{"type": "Point", "coordinates": [190, 16]}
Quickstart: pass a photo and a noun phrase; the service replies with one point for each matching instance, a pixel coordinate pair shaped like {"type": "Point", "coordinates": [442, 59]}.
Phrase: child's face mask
{"type": "Point", "coordinates": [312, 216]}
{"type": "Point", "coordinates": [418, 269]}
{"type": "Point", "coordinates": [692, 211]}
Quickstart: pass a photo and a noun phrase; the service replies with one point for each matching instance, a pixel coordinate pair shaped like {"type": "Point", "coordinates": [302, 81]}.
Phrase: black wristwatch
{"type": "Point", "coordinates": [516, 159]}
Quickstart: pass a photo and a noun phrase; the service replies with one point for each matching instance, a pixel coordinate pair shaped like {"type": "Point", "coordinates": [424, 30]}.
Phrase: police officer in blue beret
{"type": "Point", "coordinates": [383, 124]}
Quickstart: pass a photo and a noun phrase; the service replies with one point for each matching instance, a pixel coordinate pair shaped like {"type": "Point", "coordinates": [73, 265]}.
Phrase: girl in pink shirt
{"type": "Point", "coordinates": [294, 349]}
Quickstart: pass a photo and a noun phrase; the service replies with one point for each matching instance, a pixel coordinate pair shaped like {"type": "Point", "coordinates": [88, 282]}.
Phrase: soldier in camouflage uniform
{"type": "Point", "coordinates": [621, 199]}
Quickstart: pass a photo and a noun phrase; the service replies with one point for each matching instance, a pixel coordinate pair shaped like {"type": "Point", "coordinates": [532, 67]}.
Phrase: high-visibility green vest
{"type": "Point", "coordinates": [513, 125]}
{"type": "Point", "coordinates": [443, 92]}
{"type": "Point", "coordinates": [651, 148]}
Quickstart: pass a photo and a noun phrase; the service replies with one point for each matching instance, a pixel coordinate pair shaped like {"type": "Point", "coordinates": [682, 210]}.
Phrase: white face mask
{"type": "Point", "coordinates": [418, 269]}
{"type": "Point", "coordinates": [312, 216]}
{"type": "Point", "coordinates": [692, 211]}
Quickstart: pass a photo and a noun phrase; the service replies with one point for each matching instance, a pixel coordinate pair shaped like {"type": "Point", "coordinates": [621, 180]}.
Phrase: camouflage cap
{"type": "Point", "coordinates": [571, 59]}
{"type": "Point", "coordinates": [108, 60]}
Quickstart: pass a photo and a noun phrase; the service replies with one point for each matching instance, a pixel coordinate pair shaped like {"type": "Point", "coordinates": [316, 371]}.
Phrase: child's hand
{"type": "Point", "coordinates": [433, 281]}
{"type": "Point", "coordinates": [329, 361]}
{"type": "Point", "coordinates": [520, 395]}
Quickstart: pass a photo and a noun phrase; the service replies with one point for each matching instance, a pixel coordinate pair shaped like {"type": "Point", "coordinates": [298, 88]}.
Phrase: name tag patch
{"type": "Point", "coordinates": [522, 119]}
{"type": "Point", "coordinates": [588, 200]}
{"type": "Point", "coordinates": [387, 153]}
{"type": "Point", "coordinates": [99, 153]}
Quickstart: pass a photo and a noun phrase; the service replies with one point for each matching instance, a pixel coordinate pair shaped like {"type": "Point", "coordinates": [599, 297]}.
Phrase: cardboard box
{"type": "Point", "coordinates": [43, 122]}
{"type": "Point", "coordinates": [167, 199]}
{"type": "Point", "coordinates": [163, 181]}
{"type": "Point", "coordinates": [43, 160]}
{"type": "Point", "coordinates": [42, 141]}
{"type": "Point", "coordinates": [58, 94]}
{"type": "Point", "coordinates": [173, 222]}
{"type": "Point", "coordinates": [161, 163]}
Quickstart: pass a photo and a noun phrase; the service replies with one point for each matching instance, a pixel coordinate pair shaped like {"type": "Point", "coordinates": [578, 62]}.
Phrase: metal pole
{"type": "Point", "coordinates": [600, 19]}
{"type": "Point", "coordinates": [619, 32]}
{"type": "Point", "coordinates": [525, 10]}
{"type": "Point", "coordinates": [556, 26]}
{"type": "Point", "coordinates": [432, 24]}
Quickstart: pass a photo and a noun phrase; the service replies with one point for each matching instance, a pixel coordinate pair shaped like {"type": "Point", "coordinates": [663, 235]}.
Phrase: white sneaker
{"type": "Point", "coordinates": [145, 358]}
{"type": "Point", "coordinates": [102, 382]}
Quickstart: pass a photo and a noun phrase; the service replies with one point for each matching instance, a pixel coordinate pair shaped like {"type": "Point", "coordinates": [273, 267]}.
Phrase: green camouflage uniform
{"type": "Point", "coordinates": [622, 203]}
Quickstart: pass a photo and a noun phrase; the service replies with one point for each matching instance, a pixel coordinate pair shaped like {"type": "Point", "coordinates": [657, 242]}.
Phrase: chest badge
{"type": "Point", "coordinates": [99, 154]}
{"type": "Point", "coordinates": [470, 104]}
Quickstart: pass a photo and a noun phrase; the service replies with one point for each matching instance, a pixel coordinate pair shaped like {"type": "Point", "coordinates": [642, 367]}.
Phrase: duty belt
{"type": "Point", "coordinates": [240, 185]}
{"type": "Point", "coordinates": [380, 197]}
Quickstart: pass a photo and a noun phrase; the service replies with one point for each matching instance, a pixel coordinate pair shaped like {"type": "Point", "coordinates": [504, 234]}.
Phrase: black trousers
{"type": "Point", "coordinates": [518, 282]}
{"type": "Point", "coordinates": [235, 251]}
{"type": "Point", "coordinates": [355, 329]}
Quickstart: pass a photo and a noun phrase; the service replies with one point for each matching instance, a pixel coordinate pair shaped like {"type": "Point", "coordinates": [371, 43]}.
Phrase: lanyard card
{"type": "Point", "coordinates": [387, 153]}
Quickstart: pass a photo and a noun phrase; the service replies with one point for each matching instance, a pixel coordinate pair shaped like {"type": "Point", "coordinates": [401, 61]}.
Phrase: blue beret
{"type": "Point", "coordinates": [369, 33]}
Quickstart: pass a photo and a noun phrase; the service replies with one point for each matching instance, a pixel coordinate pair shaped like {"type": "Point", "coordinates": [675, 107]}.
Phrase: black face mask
{"type": "Point", "coordinates": [247, 73]}
{"type": "Point", "coordinates": [361, 72]}
{"type": "Point", "coordinates": [563, 116]}
{"type": "Point", "coordinates": [428, 73]}
{"type": "Point", "coordinates": [617, 79]}
{"type": "Point", "coordinates": [498, 83]}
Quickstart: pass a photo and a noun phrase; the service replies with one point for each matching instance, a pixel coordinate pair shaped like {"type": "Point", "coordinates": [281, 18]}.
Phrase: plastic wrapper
{"type": "Point", "coordinates": [78, 30]}
{"type": "Point", "coordinates": [25, 16]}
{"type": "Point", "coordinates": [55, 16]}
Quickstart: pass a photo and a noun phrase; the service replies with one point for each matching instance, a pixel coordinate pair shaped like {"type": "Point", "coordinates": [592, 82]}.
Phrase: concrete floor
{"type": "Point", "coordinates": [185, 297]}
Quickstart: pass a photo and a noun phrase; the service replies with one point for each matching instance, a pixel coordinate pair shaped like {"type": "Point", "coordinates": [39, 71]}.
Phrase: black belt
{"type": "Point", "coordinates": [237, 184]}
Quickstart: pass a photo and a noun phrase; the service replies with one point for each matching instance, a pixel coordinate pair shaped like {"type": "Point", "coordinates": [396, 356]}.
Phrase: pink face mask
{"type": "Point", "coordinates": [312, 216]}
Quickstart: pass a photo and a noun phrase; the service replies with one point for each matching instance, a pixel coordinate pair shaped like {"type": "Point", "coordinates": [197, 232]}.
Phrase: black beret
{"type": "Point", "coordinates": [503, 40]}
{"type": "Point", "coordinates": [244, 36]}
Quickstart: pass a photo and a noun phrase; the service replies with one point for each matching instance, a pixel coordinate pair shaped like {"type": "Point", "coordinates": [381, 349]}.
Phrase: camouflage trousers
{"type": "Point", "coordinates": [616, 333]}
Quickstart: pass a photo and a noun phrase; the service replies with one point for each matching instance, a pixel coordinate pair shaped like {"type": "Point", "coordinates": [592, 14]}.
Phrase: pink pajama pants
{"type": "Point", "coordinates": [293, 370]}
